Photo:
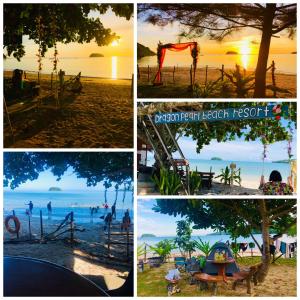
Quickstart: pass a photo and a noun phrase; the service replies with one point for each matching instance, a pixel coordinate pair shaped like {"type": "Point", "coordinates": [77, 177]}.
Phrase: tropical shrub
{"type": "Point", "coordinates": [194, 182]}
{"type": "Point", "coordinates": [204, 247]}
{"type": "Point", "coordinates": [230, 176]}
{"type": "Point", "coordinates": [168, 182]}
{"type": "Point", "coordinates": [163, 248]}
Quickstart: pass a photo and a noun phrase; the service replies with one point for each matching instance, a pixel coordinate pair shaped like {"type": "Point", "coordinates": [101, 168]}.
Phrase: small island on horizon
{"type": "Point", "coordinates": [231, 53]}
{"type": "Point", "coordinates": [96, 55]}
{"type": "Point", "coordinates": [54, 189]}
{"type": "Point", "coordinates": [216, 158]}
{"type": "Point", "coordinates": [146, 235]}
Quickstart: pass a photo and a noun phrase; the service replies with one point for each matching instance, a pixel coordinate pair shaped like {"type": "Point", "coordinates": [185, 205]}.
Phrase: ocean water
{"type": "Point", "coordinates": [115, 67]}
{"type": "Point", "coordinates": [250, 171]}
{"type": "Point", "coordinates": [211, 238]}
{"type": "Point", "coordinates": [65, 202]}
{"type": "Point", "coordinates": [285, 63]}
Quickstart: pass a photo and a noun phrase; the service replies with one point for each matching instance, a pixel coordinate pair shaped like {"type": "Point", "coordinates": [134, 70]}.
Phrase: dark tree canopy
{"type": "Point", "coordinates": [217, 21]}
{"type": "Point", "coordinates": [237, 217]}
{"type": "Point", "coordinates": [95, 167]}
{"type": "Point", "coordinates": [64, 23]}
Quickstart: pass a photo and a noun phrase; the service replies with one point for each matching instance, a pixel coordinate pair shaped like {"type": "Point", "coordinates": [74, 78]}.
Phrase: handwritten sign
{"type": "Point", "coordinates": [225, 114]}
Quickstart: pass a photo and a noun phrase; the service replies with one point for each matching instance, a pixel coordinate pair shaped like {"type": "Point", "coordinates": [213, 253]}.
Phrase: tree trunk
{"type": "Point", "coordinates": [265, 227]}
{"type": "Point", "coordinates": [263, 55]}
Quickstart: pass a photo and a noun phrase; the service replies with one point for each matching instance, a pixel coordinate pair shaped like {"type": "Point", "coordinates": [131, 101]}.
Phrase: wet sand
{"type": "Point", "coordinates": [100, 116]}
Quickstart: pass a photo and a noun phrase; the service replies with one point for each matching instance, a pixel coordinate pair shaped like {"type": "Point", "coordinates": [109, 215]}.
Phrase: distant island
{"type": "Point", "coordinates": [216, 158]}
{"type": "Point", "coordinates": [144, 51]}
{"type": "Point", "coordinates": [54, 189]}
{"type": "Point", "coordinates": [146, 235]}
{"type": "Point", "coordinates": [294, 52]}
{"type": "Point", "coordinates": [283, 161]}
{"type": "Point", "coordinates": [96, 55]}
{"type": "Point", "coordinates": [231, 53]}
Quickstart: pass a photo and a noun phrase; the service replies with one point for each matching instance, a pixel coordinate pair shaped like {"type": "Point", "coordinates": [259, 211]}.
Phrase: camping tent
{"type": "Point", "coordinates": [212, 269]}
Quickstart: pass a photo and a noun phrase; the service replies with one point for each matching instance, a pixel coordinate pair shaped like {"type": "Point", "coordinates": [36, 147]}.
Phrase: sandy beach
{"type": "Point", "coordinates": [87, 256]}
{"type": "Point", "coordinates": [178, 88]}
{"type": "Point", "coordinates": [100, 116]}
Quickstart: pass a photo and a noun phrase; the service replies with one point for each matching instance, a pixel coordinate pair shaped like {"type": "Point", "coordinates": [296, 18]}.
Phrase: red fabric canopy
{"type": "Point", "coordinates": [161, 52]}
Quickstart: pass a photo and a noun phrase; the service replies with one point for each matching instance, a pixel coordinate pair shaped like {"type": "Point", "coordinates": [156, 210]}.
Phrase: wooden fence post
{"type": "Point", "coordinates": [29, 225]}
{"type": "Point", "coordinates": [145, 253]}
{"type": "Point", "coordinates": [108, 238]}
{"type": "Point", "coordinates": [148, 73]}
{"type": "Point", "coordinates": [222, 73]}
{"type": "Point", "coordinates": [273, 78]}
{"type": "Point", "coordinates": [191, 76]}
{"type": "Point", "coordinates": [41, 223]}
{"type": "Point", "coordinates": [174, 74]}
{"type": "Point", "coordinates": [206, 69]}
{"type": "Point", "coordinates": [38, 77]}
{"type": "Point", "coordinates": [72, 227]}
{"type": "Point", "coordinates": [14, 214]}
{"type": "Point", "coordinates": [51, 80]}
{"type": "Point", "coordinates": [132, 86]}
{"type": "Point", "coordinates": [138, 72]}
{"type": "Point", "coordinates": [127, 242]}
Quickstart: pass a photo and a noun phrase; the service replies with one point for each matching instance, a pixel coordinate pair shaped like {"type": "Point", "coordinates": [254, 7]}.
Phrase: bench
{"type": "Point", "coordinates": [248, 276]}
{"type": "Point", "coordinates": [204, 279]}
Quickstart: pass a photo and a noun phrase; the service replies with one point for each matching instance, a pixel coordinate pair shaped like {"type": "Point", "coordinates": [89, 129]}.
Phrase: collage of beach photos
{"type": "Point", "coordinates": [149, 149]}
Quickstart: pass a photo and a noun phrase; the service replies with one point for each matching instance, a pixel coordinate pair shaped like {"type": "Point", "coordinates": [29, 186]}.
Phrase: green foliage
{"type": "Point", "coordinates": [207, 90]}
{"type": "Point", "coordinates": [230, 176]}
{"type": "Point", "coordinates": [183, 238]}
{"type": "Point", "coordinates": [241, 82]}
{"type": "Point", "coordinates": [95, 167]}
{"type": "Point", "coordinates": [202, 261]}
{"type": "Point", "coordinates": [235, 249]}
{"type": "Point", "coordinates": [72, 21]}
{"type": "Point", "coordinates": [251, 245]}
{"type": "Point", "coordinates": [168, 182]}
{"type": "Point", "coordinates": [204, 247]}
{"type": "Point", "coordinates": [163, 248]}
{"type": "Point", "coordinates": [194, 182]}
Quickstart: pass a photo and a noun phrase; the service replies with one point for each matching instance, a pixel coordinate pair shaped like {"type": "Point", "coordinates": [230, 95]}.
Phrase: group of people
{"type": "Point", "coordinates": [30, 207]}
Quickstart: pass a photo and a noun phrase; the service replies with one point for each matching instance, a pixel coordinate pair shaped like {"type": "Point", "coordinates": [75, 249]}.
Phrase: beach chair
{"type": "Point", "coordinates": [180, 263]}
{"type": "Point", "coordinates": [192, 267]}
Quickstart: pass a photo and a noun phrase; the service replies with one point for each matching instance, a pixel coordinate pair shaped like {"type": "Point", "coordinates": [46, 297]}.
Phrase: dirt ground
{"type": "Point", "coordinates": [100, 116]}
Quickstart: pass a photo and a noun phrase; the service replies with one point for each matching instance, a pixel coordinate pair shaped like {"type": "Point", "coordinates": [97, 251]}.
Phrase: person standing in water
{"type": "Point", "coordinates": [49, 208]}
{"type": "Point", "coordinates": [30, 204]}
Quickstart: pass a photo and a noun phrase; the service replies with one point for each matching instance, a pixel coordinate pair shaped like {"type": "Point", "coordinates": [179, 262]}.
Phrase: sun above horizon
{"type": "Point", "coordinates": [114, 43]}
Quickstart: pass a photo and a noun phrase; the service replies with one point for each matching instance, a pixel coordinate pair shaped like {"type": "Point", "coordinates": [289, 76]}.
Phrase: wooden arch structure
{"type": "Point", "coordinates": [161, 52]}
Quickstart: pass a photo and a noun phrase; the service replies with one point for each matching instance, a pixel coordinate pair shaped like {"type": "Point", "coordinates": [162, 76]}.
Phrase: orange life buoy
{"type": "Point", "coordinates": [16, 221]}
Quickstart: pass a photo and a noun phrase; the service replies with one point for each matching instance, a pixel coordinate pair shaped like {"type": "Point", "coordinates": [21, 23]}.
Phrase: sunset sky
{"type": "Point", "coordinates": [245, 41]}
{"type": "Point", "coordinates": [120, 26]}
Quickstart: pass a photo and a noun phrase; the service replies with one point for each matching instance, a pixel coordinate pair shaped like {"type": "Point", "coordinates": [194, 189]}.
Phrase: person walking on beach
{"type": "Point", "coordinates": [107, 220]}
{"type": "Point", "coordinates": [49, 208]}
{"type": "Point", "coordinates": [30, 204]}
{"type": "Point", "coordinates": [113, 210]}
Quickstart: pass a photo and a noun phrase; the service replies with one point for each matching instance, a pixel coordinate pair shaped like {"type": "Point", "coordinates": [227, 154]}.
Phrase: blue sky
{"type": "Point", "coordinates": [156, 223]}
{"type": "Point", "coordinates": [69, 182]}
{"type": "Point", "coordinates": [239, 149]}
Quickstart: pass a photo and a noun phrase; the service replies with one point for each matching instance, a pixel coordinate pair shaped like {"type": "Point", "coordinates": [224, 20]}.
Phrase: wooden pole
{"type": "Point", "coordinates": [222, 72]}
{"type": "Point", "coordinates": [72, 227]}
{"type": "Point", "coordinates": [138, 72]}
{"type": "Point", "coordinates": [127, 242]}
{"type": "Point", "coordinates": [14, 214]}
{"type": "Point", "coordinates": [191, 79]}
{"type": "Point", "coordinates": [148, 73]}
{"type": "Point", "coordinates": [206, 69]}
{"type": "Point", "coordinates": [274, 79]}
{"type": "Point", "coordinates": [174, 74]}
{"type": "Point", "coordinates": [38, 77]}
{"type": "Point", "coordinates": [108, 238]}
{"type": "Point", "coordinates": [51, 80]}
{"type": "Point", "coordinates": [9, 122]}
{"type": "Point", "coordinates": [132, 86]}
{"type": "Point", "coordinates": [145, 253]}
{"type": "Point", "coordinates": [29, 225]}
{"type": "Point", "coordinates": [41, 223]}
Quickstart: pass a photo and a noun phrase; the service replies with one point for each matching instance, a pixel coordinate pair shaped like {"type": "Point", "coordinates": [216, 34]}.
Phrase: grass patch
{"type": "Point", "coordinates": [164, 91]}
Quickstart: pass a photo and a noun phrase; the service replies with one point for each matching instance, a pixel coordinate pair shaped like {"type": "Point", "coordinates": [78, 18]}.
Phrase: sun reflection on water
{"type": "Point", "coordinates": [114, 67]}
{"type": "Point", "coordinates": [245, 51]}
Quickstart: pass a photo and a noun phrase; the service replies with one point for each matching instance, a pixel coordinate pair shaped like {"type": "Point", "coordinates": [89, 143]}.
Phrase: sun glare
{"type": "Point", "coordinates": [245, 51]}
{"type": "Point", "coordinates": [114, 43]}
